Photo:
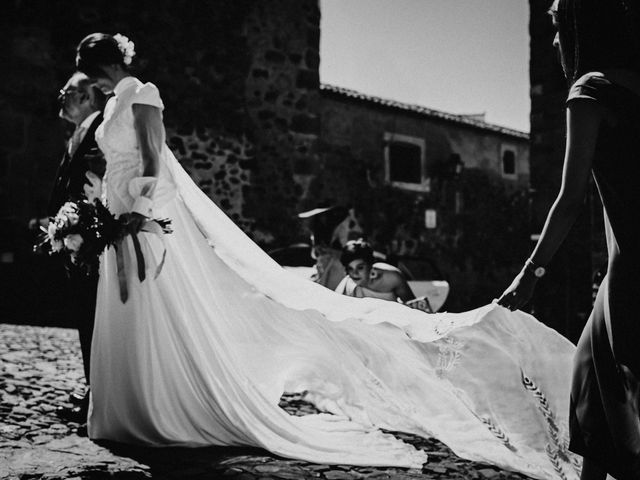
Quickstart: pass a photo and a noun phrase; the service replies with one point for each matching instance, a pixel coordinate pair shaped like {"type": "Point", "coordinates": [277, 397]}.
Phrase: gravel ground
{"type": "Point", "coordinates": [40, 367]}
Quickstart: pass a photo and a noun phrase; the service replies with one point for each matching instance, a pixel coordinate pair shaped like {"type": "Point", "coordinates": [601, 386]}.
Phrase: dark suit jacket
{"type": "Point", "coordinates": [71, 178]}
{"type": "Point", "coordinates": [69, 184]}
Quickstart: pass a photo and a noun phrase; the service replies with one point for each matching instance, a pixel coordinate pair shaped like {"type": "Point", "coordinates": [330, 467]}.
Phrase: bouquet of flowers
{"type": "Point", "coordinates": [82, 230]}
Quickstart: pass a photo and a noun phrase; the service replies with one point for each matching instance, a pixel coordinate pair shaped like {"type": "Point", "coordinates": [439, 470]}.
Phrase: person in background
{"type": "Point", "coordinates": [368, 278]}
{"type": "Point", "coordinates": [599, 49]}
{"type": "Point", "coordinates": [79, 175]}
{"type": "Point", "coordinates": [331, 226]}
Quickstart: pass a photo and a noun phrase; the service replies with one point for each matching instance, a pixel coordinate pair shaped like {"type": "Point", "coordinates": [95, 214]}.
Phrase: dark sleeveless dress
{"type": "Point", "coordinates": [605, 394]}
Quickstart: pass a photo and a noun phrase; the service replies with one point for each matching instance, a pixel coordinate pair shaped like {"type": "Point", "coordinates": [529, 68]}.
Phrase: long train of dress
{"type": "Point", "coordinates": [201, 354]}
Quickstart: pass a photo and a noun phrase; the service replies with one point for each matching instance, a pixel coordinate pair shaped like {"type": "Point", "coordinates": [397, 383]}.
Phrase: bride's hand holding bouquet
{"type": "Point", "coordinates": [82, 230]}
{"type": "Point", "coordinates": [133, 221]}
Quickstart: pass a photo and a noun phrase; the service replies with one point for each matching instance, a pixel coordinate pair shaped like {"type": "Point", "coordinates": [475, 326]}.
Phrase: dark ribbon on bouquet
{"type": "Point", "coordinates": [150, 226]}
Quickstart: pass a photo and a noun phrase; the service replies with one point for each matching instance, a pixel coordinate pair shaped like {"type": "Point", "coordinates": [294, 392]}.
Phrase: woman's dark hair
{"type": "Point", "coordinates": [598, 34]}
{"type": "Point", "coordinates": [97, 50]}
{"type": "Point", "coordinates": [356, 250]}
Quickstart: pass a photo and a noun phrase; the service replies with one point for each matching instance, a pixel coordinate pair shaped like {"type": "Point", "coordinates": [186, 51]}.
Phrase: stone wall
{"type": "Point", "coordinates": [282, 92]}
{"type": "Point", "coordinates": [220, 165]}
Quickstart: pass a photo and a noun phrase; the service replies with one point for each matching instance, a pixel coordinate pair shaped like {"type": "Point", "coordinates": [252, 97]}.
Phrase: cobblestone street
{"type": "Point", "coordinates": [40, 367]}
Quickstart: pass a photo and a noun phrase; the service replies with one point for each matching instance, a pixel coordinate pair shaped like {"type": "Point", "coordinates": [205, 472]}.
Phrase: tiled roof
{"type": "Point", "coordinates": [428, 112]}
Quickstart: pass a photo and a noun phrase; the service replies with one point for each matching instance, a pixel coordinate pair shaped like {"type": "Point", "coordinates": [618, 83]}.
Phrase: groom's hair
{"type": "Point", "coordinates": [85, 85]}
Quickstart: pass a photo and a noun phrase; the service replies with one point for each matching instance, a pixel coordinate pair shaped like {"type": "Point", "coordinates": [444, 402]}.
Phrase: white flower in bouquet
{"type": "Point", "coordinates": [73, 242]}
{"type": "Point", "coordinates": [67, 208]}
{"type": "Point", "coordinates": [73, 218]}
{"type": "Point", "coordinates": [56, 245]}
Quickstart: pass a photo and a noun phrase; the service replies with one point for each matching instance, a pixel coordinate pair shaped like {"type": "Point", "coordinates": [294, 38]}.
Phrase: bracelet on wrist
{"type": "Point", "coordinates": [537, 270]}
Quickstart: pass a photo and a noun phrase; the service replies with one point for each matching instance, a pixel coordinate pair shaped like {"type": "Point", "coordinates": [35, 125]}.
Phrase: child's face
{"type": "Point", "coordinates": [359, 271]}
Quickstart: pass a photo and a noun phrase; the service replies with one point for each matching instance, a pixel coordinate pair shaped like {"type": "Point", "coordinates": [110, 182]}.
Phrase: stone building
{"type": "Point", "coordinates": [247, 118]}
{"type": "Point", "coordinates": [408, 145]}
{"type": "Point", "coordinates": [426, 183]}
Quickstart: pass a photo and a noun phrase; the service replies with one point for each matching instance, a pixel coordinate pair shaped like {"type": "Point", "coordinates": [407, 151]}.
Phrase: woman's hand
{"type": "Point", "coordinates": [147, 121]}
{"type": "Point", "coordinates": [134, 221]}
{"type": "Point", "coordinates": [583, 124]}
{"type": "Point", "coordinates": [520, 291]}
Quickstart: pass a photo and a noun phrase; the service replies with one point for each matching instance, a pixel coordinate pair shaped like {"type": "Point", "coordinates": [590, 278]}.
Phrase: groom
{"type": "Point", "coordinates": [79, 174]}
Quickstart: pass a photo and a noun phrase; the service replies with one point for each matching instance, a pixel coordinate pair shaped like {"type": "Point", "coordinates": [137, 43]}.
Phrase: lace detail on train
{"type": "Point", "coordinates": [450, 352]}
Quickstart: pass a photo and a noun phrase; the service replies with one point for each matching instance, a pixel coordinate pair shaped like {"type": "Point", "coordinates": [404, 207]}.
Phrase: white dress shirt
{"type": "Point", "coordinates": [80, 132]}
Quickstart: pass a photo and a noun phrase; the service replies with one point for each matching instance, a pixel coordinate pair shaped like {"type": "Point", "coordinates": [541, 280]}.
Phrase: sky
{"type": "Point", "coordinates": [458, 56]}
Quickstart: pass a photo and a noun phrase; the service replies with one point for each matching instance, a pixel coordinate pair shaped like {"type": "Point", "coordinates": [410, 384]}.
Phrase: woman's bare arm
{"type": "Point", "coordinates": [147, 121]}
{"type": "Point", "coordinates": [584, 118]}
{"type": "Point", "coordinates": [583, 122]}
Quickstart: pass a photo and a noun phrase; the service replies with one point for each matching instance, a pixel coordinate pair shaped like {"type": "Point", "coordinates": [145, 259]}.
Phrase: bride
{"type": "Point", "coordinates": [201, 353]}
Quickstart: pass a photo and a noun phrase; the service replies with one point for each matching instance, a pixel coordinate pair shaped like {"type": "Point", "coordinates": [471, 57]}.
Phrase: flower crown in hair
{"type": "Point", "coordinates": [127, 47]}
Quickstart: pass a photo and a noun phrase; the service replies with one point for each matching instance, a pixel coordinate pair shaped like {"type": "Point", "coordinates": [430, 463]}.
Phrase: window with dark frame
{"type": "Point", "coordinates": [508, 163]}
{"type": "Point", "coordinates": [405, 162]}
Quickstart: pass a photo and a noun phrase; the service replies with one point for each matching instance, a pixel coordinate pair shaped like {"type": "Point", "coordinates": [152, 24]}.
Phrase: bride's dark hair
{"type": "Point", "coordinates": [97, 50]}
{"type": "Point", "coordinates": [597, 35]}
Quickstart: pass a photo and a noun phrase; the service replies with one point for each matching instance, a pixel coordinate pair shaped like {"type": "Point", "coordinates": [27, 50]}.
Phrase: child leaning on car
{"type": "Point", "coordinates": [367, 278]}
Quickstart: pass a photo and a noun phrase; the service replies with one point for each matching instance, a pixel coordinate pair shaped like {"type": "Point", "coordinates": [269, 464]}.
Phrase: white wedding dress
{"type": "Point", "coordinates": [201, 354]}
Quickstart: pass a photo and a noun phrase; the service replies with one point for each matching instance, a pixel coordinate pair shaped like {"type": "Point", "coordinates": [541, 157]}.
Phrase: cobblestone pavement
{"type": "Point", "coordinates": [40, 367]}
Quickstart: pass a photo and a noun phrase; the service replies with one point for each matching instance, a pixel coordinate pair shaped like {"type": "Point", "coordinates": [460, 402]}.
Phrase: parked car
{"type": "Point", "coordinates": [424, 278]}
{"type": "Point", "coordinates": [422, 273]}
